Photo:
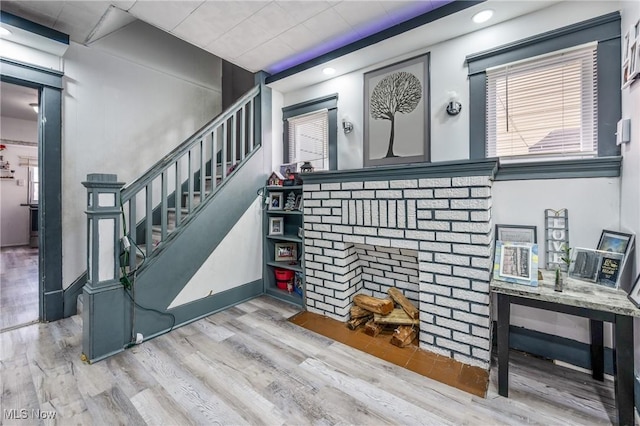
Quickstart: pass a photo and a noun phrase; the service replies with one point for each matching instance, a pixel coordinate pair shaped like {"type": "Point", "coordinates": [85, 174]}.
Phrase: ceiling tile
{"type": "Point", "coordinates": [164, 14]}
{"type": "Point", "coordinates": [271, 20]}
{"type": "Point", "coordinates": [41, 12]}
{"type": "Point", "coordinates": [264, 55]}
{"type": "Point", "coordinates": [328, 23]}
{"type": "Point", "coordinates": [79, 18]}
{"type": "Point", "coordinates": [362, 19]}
{"type": "Point", "coordinates": [236, 42]}
{"type": "Point", "coordinates": [124, 4]}
{"type": "Point", "coordinates": [300, 11]}
{"type": "Point", "coordinates": [300, 38]}
{"type": "Point", "coordinates": [197, 28]}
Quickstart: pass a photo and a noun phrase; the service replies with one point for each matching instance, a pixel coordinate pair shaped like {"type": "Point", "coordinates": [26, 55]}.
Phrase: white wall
{"type": "Point", "coordinates": [14, 218]}
{"type": "Point", "coordinates": [121, 114]}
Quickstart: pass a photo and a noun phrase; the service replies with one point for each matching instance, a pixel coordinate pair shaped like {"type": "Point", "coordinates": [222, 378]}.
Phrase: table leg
{"type": "Point", "coordinates": [504, 312]}
{"type": "Point", "coordinates": [623, 369]}
{"type": "Point", "coordinates": [597, 349]}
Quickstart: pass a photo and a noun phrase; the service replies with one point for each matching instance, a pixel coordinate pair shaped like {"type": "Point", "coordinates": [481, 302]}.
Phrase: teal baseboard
{"type": "Point", "coordinates": [70, 296]}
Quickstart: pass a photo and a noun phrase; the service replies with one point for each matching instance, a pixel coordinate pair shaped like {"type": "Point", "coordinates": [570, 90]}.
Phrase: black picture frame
{"type": "Point", "coordinates": [617, 242]}
{"type": "Point", "coordinates": [404, 138]}
{"type": "Point", "coordinates": [504, 232]}
{"type": "Point", "coordinates": [634, 293]}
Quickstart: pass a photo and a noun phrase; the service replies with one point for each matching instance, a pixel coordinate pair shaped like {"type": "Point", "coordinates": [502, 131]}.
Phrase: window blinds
{"type": "Point", "coordinates": [308, 139]}
{"type": "Point", "coordinates": [544, 106]}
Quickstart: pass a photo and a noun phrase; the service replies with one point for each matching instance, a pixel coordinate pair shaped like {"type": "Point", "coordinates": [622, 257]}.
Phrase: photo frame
{"type": "Point", "coordinates": [617, 242]}
{"type": "Point", "coordinates": [286, 252]}
{"type": "Point", "coordinates": [634, 293]}
{"type": "Point", "coordinates": [401, 136]}
{"type": "Point", "coordinates": [298, 203]}
{"type": "Point", "coordinates": [276, 201]}
{"type": "Point", "coordinates": [516, 263]}
{"type": "Point", "coordinates": [276, 226]}
{"type": "Point", "coordinates": [517, 233]}
{"type": "Point", "coordinates": [601, 267]}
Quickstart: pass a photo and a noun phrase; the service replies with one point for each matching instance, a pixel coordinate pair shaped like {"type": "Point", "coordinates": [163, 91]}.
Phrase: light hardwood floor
{"type": "Point", "coordinates": [18, 286]}
{"type": "Point", "coordinates": [249, 365]}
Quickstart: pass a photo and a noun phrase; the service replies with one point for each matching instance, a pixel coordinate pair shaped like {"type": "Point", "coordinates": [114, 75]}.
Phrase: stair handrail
{"type": "Point", "coordinates": [152, 173]}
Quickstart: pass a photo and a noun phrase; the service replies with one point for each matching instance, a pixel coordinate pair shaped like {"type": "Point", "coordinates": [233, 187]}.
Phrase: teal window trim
{"type": "Point", "coordinates": [606, 31]}
{"type": "Point", "coordinates": [329, 102]}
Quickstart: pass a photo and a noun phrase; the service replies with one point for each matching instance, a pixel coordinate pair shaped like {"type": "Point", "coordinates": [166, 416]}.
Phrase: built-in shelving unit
{"type": "Point", "coordinates": [283, 222]}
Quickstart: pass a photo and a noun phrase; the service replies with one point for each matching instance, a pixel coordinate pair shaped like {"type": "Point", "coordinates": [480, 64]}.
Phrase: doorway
{"type": "Point", "coordinates": [19, 195]}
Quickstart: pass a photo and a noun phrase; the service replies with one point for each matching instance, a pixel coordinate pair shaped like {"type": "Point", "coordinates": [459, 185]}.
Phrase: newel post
{"type": "Point", "coordinates": [103, 330]}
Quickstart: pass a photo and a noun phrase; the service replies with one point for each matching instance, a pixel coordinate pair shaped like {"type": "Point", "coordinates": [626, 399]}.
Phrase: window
{"type": "Point", "coordinates": [311, 132]}
{"type": "Point", "coordinates": [309, 139]}
{"type": "Point", "coordinates": [544, 106]}
{"type": "Point", "coordinates": [34, 185]}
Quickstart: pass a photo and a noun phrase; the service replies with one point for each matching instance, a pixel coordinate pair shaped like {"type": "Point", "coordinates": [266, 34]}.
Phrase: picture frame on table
{"type": "Point", "coordinates": [516, 263]}
{"type": "Point", "coordinates": [598, 266]}
{"type": "Point", "coordinates": [276, 226]}
{"type": "Point", "coordinates": [617, 242]}
{"type": "Point", "coordinates": [276, 201]}
{"type": "Point", "coordinates": [634, 293]}
{"type": "Point", "coordinates": [398, 135]}
{"type": "Point", "coordinates": [286, 252]}
{"type": "Point", "coordinates": [517, 233]}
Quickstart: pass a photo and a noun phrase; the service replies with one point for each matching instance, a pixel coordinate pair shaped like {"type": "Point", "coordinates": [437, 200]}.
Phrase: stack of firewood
{"type": "Point", "coordinates": [379, 314]}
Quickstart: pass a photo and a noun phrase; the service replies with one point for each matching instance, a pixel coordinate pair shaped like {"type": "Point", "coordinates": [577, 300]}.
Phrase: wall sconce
{"type": "Point", "coordinates": [347, 125]}
{"type": "Point", "coordinates": [454, 106]}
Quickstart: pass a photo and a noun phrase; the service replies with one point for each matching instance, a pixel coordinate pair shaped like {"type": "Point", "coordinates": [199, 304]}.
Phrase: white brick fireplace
{"type": "Point", "coordinates": [423, 229]}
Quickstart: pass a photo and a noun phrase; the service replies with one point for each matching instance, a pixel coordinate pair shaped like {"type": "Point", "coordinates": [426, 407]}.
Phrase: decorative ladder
{"type": "Point", "coordinates": [161, 201]}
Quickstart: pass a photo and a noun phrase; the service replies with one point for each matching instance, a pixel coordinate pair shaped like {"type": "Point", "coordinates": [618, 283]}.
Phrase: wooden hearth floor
{"type": "Point", "coordinates": [471, 379]}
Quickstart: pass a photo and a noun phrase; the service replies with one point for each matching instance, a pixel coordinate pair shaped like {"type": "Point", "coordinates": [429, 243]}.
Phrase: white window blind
{"type": "Point", "coordinates": [544, 106]}
{"type": "Point", "coordinates": [308, 139]}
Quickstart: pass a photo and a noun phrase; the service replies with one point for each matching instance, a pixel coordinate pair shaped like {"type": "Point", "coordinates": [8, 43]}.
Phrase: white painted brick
{"type": "Point", "coordinates": [367, 212]}
{"type": "Point", "coordinates": [321, 227]}
{"type": "Point", "coordinates": [338, 303]}
{"type": "Point", "coordinates": [435, 309]}
{"type": "Point", "coordinates": [311, 187]}
{"type": "Point", "coordinates": [435, 183]}
{"type": "Point", "coordinates": [388, 194]}
{"type": "Point", "coordinates": [477, 274]}
{"type": "Point", "coordinates": [408, 244]}
{"type": "Point", "coordinates": [330, 186]}
{"type": "Point", "coordinates": [478, 251]}
{"type": "Point", "coordinates": [359, 213]}
{"type": "Point", "coordinates": [418, 193]}
{"type": "Point", "coordinates": [331, 203]}
{"type": "Point", "coordinates": [453, 237]}
{"type": "Point", "coordinates": [363, 194]}
{"type": "Point", "coordinates": [340, 229]}
{"type": "Point", "coordinates": [308, 257]}
{"type": "Point", "coordinates": [433, 225]}
{"type": "Point", "coordinates": [435, 289]}
{"type": "Point", "coordinates": [313, 281]}
{"type": "Point", "coordinates": [406, 183]}
{"type": "Point", "coordinates": [392, 233]}
{"type": "Point", "coordinates": [480, 309]}
{"type": "Point", "coordinates": [356, 239]}
{"type": "Point", "coordinates": [382, 280]}
{"type": "Point", "coordinates": [320, 195]}
{"type": "Point", "coordinates": [324, 291]}
{"type": "Point", "coordinates": [481, 263]}
{"type": "Point", "coordinates": [471, 227]}
{"type": "Point", "coordinates": [481, 239]}
{"type": "Point", "coordinates": [402, 214]}
{"type": "Point", "coordinates": [411, 214]}
{"type": "Point", "coordinates": [480, 332]}
{"type": "Point", "coordinates": [471, 296]}
{"type": "Point", "coordinates": [471, 318]}
{"type": "Point", "coordinates": [336, 285]}
{"type": "Point", "coordinates": [481, 353]}
{"type": "Point", "coordinates": [481, 216]}
{"type": "Point", "coordinates": [313, 265]}
{"type": "Point", "coordinates": [324, 275]}
{"type": "Point", "coordinates": [314, 310]}
{"type": "Point", "coordinates": [424, 257]}
{"type": "Point", "coordinates": [420, 235]}
{"type": "Point", "coordinates": [480, 192]}
{"type": "Point", "coordinates": [425, 277]}
{"type": "Point", "coordinates": [425, 214]}
{"type": "Point", "coordinates": [346, 277]}
{"type": "Point", "coordinates": [433, 204]}
{"type": "Point", "coordinates": [471, 204]}
{"type": "Point", "coordinates": [383, 213]}
{"type": "Point", "coordinates": [339, 270]}
{"type": "Point", "coordinates": [371, 286]}
{"type": "Point", "coordinates": [391, 213]}
{"type": "Point", "coordinates": [312, 219]}
{"type": "Point", "coordinates": [451, 215]}
{"type": "Point", "coordinates": [453, 345]}
{"type": "Point", "coordinates": [325, 307]}
{"type": "Point", "coordinates": [360, 230]}
{"type": "Point", "coordinates": [436, 268]}
{"type": "Point", "coordinates": [308, 210]}
{"type": "Point", "coordinates": [343, 312]}
{"type": "Point", "coordinates": [482, 287]}
{"type": "Point", "coordinates": [321, 243]}
{"type": "Point", "coordinates": [439, 247]}
{"type": "Point", "coordinates": [312, 203]}
{"type": "Point", "coordinates": [334, 220]}
{"type": "Point", "coordinates": [324, 260]}
{"type": "Point", "coordinates": [382, 184]}
{"type": "Point", "coordinates": [453, 324]}
{"type": "Point", "coordinates": [315, 296]}
{"type": "Point", "coordinates": [345, 294]}
{"type": "Point", "coordinates": [452, 303]}
{"type": "Point", "coordinates": [471, 181]}
{"type": "Point", "coordinates": [310, 304]}
{"type": "Point", "coordinates": [413, 254]}
{"type": "Point", "coordinates": [452, 259]}
{"type": "Point", "coordinates": [311, 235]}
{"type": "Point", "coordinates": [458, 282]}
{"type": "Point", "coordinates": [434, 329]}
{"type": "Point", "coordinates": [340, 194]}
{"type": "Point", "coordinates": [469, 339]}
{"type": "Point", "coordinates": [397, 277]}
{"type": "Point", "coordinates": [427, 338]}
{"type": "Point", "coordinates": [427, 298]}
{"type": "Point", "coordinates": [352, 212]}
{"type": "Point", "coordinates": [471, 361]}
{"type": "Point", "coordinates": [406, 271]}
{"type": "Point", "coordinates": [385, 242]}
{"type": "Point", "coordinates": [345, 212]}
{"type": "Point", "coordinates": [352, 185]}
{"type": "Point", "coordinates": [331, 236]}
{"type": "Point", "coordinates": [452, 193]}
{"type": "Point", "coordinates": [436, 350]}
{"type": "Point", "coordinates": [337, 212]}
{"type": "Point", "coordinates": [375, 214]}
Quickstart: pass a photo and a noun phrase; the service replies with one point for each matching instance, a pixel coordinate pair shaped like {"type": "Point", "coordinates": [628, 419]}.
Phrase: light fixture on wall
{"type": "Point", "coordinates": [347, 125]}
{"type": "Point", "coordinates": [35, 107]}
{"type": "Point", "coordinates": [482, 16]}
{"type": "Point", "coordinates": [454, 106]}
{"type": "Point", "coordinates": [329, 71]}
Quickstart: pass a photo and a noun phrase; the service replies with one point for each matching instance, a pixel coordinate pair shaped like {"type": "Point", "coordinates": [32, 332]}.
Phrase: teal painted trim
{"type": "Point", "coordinates": [32, 27]}
{"type": "Point", "coordinates": [601, 28]}
{"type": "Point", "coordinates": [637, 393]}
{"type": "Point", "coordinates": [477, 119]}
{"type": "Point", "coordinates": [71, 294]}
{"type": "Point", "coordinates": [562, 169]}
{"type": "Point", "coordinates": [609, 96]}
{"type": "Point", "coordinates": [324, 102]}
{"type": "Point", "coordinates": [53, 304]}
{"type": "Point", "coordinates": [425, 18]}
{"type": "Point", "coordinates": [104, 318]}
{"type": "Point", "coordinates": [556, 348]}
{"type": "Point", "coordinates": [29, 75]}
{"type": "Point", "coordinates": [482, 167]}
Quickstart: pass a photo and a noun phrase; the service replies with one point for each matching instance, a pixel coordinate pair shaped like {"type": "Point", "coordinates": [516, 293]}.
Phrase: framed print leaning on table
{"type": "Point", "coordinates": [516, 263]}
{"type": "Point", "coordinates": [634, 294]}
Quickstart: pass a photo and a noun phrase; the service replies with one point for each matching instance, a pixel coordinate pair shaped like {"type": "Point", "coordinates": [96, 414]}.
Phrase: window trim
{"type": "Point", "coordinates": [605, 30]}
{"type": "Point", "coordinates": [330, 103]}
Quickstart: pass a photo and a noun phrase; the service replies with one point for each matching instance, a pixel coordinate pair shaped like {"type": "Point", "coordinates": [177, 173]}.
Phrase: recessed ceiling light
{"type": "Point", "coordinates": [483, 16]}
{"type": "Point", "coordinates": [329, 71]}
{"type": "Point", "coordinates": [4, 31]}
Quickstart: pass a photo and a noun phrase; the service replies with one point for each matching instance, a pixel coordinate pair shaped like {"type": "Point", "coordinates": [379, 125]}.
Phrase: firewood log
{"type": "Point", "coordinates": [358, 312]}
{"type": "Point", "coordinates": [373, 304]}
{"type": "Point", "coordinates": [354, 323]}
{"type": "Point", "coordinates": [372, 329]}
{"type": "Point", "coordinates": [405, 303]}
{"type": "Point", "coordinates": [403, 336]}
{"type": "Point", "coordinates": [397, 317]}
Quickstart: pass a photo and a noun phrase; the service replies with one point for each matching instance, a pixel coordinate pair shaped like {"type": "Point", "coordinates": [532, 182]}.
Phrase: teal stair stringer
{"type": "Point", "coordinates": [158, 283]}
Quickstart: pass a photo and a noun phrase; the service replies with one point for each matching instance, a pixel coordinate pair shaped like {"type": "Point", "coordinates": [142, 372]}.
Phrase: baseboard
{"type": "Point", "coordinates": [555, 347]}
{"type": "Point", "coordinates": [71, 293]}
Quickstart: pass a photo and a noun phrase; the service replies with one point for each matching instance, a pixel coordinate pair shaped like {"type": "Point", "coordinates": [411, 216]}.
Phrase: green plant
{"type": "Point", "coordinates": [566, 256]}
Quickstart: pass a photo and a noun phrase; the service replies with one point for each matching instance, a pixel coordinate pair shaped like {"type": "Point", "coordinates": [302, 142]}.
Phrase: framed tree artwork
{"type": "Point", "coordinates": [396, 113]}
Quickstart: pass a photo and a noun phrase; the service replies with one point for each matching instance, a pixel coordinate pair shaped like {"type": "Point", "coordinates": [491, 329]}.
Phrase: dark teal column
{"type": "Point", "coordinates": [104, 323]}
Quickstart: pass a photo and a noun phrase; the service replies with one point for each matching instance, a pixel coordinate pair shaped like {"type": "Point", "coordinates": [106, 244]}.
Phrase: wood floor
{"type": "Point", "coordinates": [249, 365]}
{"type": "Point", "coordinates": [18, 286]}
